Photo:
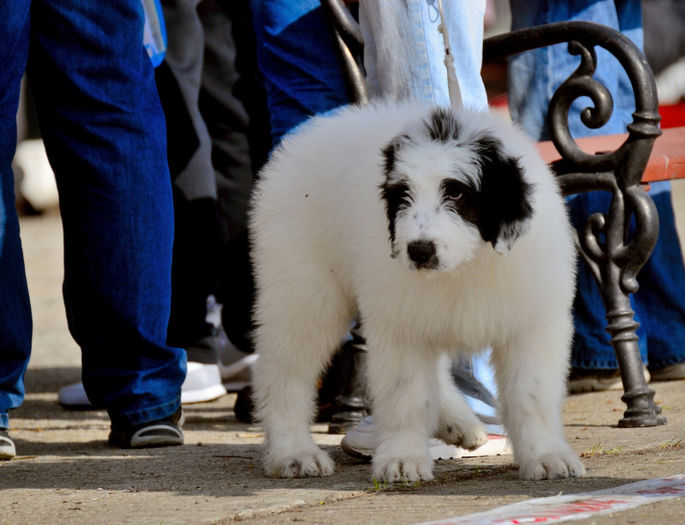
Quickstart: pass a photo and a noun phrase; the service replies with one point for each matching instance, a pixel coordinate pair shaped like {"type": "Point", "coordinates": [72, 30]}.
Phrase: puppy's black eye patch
{"type": "Point", "coordinates": [397, 197]}
{"type": "Point", "coordinates": [461, 198]}
{"type": "Point", "coordinates": [453, 190]}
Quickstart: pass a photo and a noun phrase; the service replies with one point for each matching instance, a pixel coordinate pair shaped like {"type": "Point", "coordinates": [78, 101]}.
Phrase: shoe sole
{"type": "Point", "coordinates": [598, 384]}
{"type": "Point", "coordinates": [203, 395]}
{"type": "Point", "coordinates": [157, 436]}
{"type": "Point", "coordinates": [593, 384]}
{"type": "Point", "coordinates": [437, 452]}
{"type": "Point", "coordinates": [359, 453]}
{"type": "Point", "coordinates": [669, 373]}
{"type": "Point", "coordinates": [496, 446]}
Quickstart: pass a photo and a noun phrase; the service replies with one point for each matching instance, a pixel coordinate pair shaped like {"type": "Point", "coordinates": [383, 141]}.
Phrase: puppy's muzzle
{"type": "Point", "coordinates": [423, 254]}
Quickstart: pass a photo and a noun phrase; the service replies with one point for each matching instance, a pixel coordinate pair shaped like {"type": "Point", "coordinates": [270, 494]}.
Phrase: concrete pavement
{"type": "Point", "coordinates": [65, 472]}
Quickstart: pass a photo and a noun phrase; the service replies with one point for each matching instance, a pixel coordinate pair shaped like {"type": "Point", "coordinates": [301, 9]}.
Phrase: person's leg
{"type": "Point", "coordinates": [197, 239]}
{"type": "Point", "coordinates": [105, 136]}
{"type": "Point", "coordinates": [233, 105]}
{"type": "Point", "coordinates": [15, 310]}
{"type": "Point", "coordinates": [535, 75]}
{"type": "Point", "coordinates": [660, 300]}
{"type": "Point", "coordinates": [197, 235]}
{"type": "Point", "coordinates": [533, 78]}
{"type": "Point", "coordinates": [407, 59]}
{"type": "Point", "coordinates": [297, 58]}
{"type": "Point", "coordinates": [404, 51]}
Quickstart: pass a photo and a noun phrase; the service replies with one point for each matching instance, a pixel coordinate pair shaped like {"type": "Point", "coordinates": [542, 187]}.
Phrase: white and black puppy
{"type": "Point", "coordinates": [446, 233]}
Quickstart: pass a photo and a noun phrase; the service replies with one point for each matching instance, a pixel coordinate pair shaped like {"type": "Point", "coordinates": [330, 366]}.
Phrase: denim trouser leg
{"type": "Point", "coordinates": [296, 55]}
{"type": "Point", "coordinates": [660, 301]}
{"type": "Point", "coordinates": [15, 310]}
{"type": "Point", "coordinates": [533, 78]}
{"type": "Point", "coordinates": [104, 133]}
{"type": "Point", "coordinates": [404, 56]}
{"type": "Point", "coordinates": [404, 51]}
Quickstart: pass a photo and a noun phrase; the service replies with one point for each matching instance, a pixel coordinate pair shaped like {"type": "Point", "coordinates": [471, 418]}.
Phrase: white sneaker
{"type": "Point", "coordinates": [34, 175]}
{"type": "Point", "coordinates": [202, 383]}
{"type": "Point", "coordinates": [360, 442]}
{"type": "Point", "coordinates": [7, 450]}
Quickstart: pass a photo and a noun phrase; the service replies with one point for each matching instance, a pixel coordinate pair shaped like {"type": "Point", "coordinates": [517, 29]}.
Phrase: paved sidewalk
{"type": "Point", "coordinates": [65, 472]}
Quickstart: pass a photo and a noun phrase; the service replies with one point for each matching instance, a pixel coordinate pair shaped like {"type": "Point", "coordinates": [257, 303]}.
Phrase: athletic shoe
{"type": "Point", "coordinates": [582, 380]}
{"type": "Point", "coordinates": [202, 383]}
{"type": "Point", "coordinates": [243, 408]}
{"type": "Point", "coordinates": [669, 373]}
{"type": "Point", "coordinates": [163, 433]}
{"type": "Point", "coordinates": [360, 442]}
{"type": "Point", "coordinates": [74, 397]}
{"type": "Point", "coordinates": [7, 450]}
{"type": "Point", "coordinates": [234, 364]}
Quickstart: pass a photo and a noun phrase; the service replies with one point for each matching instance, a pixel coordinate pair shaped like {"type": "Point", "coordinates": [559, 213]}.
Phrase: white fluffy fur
{"type": "Point", "coordinates": [322, 254]}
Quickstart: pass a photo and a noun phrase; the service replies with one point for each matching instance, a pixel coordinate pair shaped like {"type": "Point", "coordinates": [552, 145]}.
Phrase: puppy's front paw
{"type": "Point", "coordinates": [553, 465]}
{"type": "Point", "coordinates": [309, 463]}
{"type": "Point", "coordinates": [408, 468]}
{"type": "Point", "coordinates": [469, 437]}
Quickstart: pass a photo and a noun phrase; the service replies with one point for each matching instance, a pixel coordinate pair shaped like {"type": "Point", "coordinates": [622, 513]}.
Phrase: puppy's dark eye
{"type": "Point", "coordinates": [453, 190]}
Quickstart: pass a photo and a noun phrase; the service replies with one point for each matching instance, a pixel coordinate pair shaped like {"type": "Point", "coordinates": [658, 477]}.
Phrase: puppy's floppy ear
{"type": "Point", "coordinates": [505, 196]}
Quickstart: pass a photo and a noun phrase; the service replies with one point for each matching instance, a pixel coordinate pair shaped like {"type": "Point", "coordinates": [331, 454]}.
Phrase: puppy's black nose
{"type": "Point", "coordinates": [422, 253]}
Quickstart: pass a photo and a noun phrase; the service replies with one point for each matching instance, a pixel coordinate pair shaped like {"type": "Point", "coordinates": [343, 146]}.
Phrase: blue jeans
{"type": "Point", "coordinates": [104, 133]}
{"type": "Point", "coordinates": [411, 62]}
{"type": "Point", "coordinates": [533, 77]}
{"type": "Point", "coordinates": [296, 55]}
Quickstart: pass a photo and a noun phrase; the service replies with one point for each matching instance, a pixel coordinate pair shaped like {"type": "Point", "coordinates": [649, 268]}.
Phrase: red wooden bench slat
{"type": "Point", "coordinates": [667, 161]}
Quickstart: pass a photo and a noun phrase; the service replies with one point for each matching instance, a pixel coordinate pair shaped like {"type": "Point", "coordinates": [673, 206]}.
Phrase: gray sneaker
{"type": "Point", "coordinates": [234, 365]}
{"type": "Point", "coordinates": [163, 433]}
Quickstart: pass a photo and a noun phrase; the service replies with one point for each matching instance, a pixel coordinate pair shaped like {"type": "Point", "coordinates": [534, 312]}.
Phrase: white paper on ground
{"type": "Point", "coordinates": [556, 509]}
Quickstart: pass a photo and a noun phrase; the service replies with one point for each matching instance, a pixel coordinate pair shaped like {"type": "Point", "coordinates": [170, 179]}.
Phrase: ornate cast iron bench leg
{"type": "Point", "coordinates": [614, 257]}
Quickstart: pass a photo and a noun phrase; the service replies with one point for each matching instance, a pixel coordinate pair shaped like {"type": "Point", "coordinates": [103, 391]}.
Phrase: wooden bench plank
{"type": "Point", "coordinates": [667, 161]}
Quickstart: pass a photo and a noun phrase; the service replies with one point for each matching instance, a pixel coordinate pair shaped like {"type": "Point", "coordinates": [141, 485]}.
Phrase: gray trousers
{"type": "Point", "coordinates": [215, 124]}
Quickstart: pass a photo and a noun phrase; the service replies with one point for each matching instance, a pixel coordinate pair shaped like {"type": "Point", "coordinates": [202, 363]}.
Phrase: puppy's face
{"type": "Point", "coordinates": [449, 188]}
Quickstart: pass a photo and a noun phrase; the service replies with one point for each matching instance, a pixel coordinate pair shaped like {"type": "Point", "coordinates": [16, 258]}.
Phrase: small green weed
{"type": "Point", "coordinates": [599, 450]}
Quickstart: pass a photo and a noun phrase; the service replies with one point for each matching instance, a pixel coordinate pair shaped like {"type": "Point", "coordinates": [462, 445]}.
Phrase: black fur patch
{"type": "Point", "coordinates": [467, 204]}
{"type": "Point", "coordinates": [394, 193]}
{"type": "Point", "coordinates": [396, 196]}
{"type": "Point", "coordinates": [390, 152]}
{"type": "Point", "coordinates": [442, 125]}
{"type": "Point", "coordinates": [504, 196]}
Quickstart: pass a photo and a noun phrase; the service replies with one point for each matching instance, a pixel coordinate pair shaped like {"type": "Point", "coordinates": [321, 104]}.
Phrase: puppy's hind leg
{"type": "Point", "coordinates": [457, 425]}
{"type": "Point", "coordinates": [299, 327]}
